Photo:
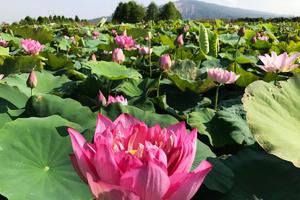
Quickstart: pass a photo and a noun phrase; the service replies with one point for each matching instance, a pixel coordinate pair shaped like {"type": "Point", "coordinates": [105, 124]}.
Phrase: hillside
{"type": "Point", "coordinates": [193, 9]}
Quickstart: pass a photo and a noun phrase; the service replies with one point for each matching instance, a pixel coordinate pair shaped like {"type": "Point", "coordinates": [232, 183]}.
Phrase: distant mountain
{"type": "Point", "coordinates": [193, 9]}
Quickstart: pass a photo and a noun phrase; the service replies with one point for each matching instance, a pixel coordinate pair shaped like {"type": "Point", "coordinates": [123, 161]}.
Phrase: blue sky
{"type": "Point", "coordinates": [12, 10]}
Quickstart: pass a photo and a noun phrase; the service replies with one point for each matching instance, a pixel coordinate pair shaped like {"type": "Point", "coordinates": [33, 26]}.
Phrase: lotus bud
{"type": "Point", "coordinates": [93, 57]}
{"type": "Point", "coordinates": [3, 43]}
{"type": "Point", "coordinates": [241, 32]}
{"type": "Point", "coordinates": [114, 32]}
{"type": "Point", "coordinates": [254, 40]}
{"type": "Point", "coordinates": [179, 40]}
{"type": "Point", "coordinates": [102, 99]}
{"type": "Point", "coordinates": [186, 28]}
{"type": "Point", "coordinates": [145, 51]}
{"type": "Point", "coordinates": [165, 62]}
{"type": "Point", "coordinates": [118, 56]}
{"type": "Point", "coordinates": [32, 80]}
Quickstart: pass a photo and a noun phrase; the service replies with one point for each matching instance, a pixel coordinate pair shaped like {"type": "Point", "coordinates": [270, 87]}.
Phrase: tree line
{"type": "Point", "coordinates": [51, 19]}
{"type": "Point", "coordinates": [132, 12]}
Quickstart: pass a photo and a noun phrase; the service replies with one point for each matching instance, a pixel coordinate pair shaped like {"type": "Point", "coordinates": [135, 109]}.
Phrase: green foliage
{"type": "Point", "coordinates": [272, 113]}
{"type": "Point", "coordinates": [130, 12]}
{"type": "Point", "coordinates": [33, 152]}
{"type": "Point", "coordinates": [152, 12]}
{"type": "Point", "coordinates": [169, 12]}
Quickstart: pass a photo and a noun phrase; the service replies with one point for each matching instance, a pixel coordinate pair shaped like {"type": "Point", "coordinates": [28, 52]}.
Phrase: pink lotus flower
{"type": "Point", "coordinates": [3, 43]}
{"type": "Point", "coordinates": [93, 57]}
{"type": "Point", "coordinates": [95, 34]}
{"type": "Point", "coordinates": [186, 28]}
{"type": "Point", "coordinates": [32, 47]}
{"type": "Point", "coordinates": [264, 37]}
{"type": "Point", "coordinates": [179, 40]}
{"type": "Point", "coordinates": [118, 56]}
{"type": "Point", "coordinates": [222, 76]}
{"type": "Point", "coordinates": [281, 63]}
{"type": "Point", "coordinates": [125, 42]}
{"type": "Point", "coordinates": [117, 99]}
{"type": "Point", "coordinates": [32, 80]}
{"type": "Point", "coordinates": [114, 32]}
{"type": "Point", "coordinates": [165, 62]}
{"type": "Point", "coordinates": [145, 51]}
{"type": "Point", "coordinates": [129, 160]}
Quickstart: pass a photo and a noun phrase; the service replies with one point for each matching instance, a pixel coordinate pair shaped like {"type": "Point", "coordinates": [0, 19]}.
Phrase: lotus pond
{"type": "Point", "coordinates": [167, 110]}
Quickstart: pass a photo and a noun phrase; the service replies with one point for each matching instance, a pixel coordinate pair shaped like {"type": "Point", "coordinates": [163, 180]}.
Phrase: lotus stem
{"type": "Point", "coordinates": [217, 97]}
{"type": "Point", "coordinates": [235, 55]}
{"type": "Point", "coordinates": [276, 77]}
{"type": "Point", "coordinates": [158, 84]}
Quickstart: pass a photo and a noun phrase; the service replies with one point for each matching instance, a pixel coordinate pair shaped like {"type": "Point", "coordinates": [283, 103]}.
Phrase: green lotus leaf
{"type": "Point", "coordinates": [186, 75]}
{"type": "Point", "coordinates": [47, 82]}
{"type": "Point", "coordinates": [274, 118]}
{"type": "Point", "coordinates": [35, 161]}
{"type": "Point", "coordinates": [112, 70]}
{"type": "Point", "coordinates": [46, 105]}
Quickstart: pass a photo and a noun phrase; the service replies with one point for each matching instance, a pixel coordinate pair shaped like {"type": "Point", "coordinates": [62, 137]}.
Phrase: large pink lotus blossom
{"type": "Point", "coordinates": [3, 43]}
{"type": "Point", "coordinates": [129, 160]}
{"type": "Point", "coordinates": [125, 42]}
{"type": "Point", "coordinates": [32, 47]}
{"type": "Point", "coordinates": [118, 56]}
{"type": "Point", "coordinates": [117, 99]}
{"type": "Point", "coordinates": [222, 76]}
{"type": "Point", "coordinates": [278, 63]}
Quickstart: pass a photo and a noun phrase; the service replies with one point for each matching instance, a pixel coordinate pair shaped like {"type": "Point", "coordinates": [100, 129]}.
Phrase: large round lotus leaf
{"type": "Point", "coordinates": [46, 105]}
{"type": "Point", "coordinates": [150, 118]}
{"type": "Point", "coordinates": [35, 161]}
{"type": "Point", "coordinates": [259, 176]}
{"type": "Point", "coordinates": [274, 118]}
{"type": "Point", "coordinates": [112, 70]}
{"type": "Point", "coordinates": [46, 82]}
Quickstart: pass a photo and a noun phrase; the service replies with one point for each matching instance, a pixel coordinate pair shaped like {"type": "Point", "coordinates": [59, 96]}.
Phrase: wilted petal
{"type": "Point", "coordinates": [184, 186]}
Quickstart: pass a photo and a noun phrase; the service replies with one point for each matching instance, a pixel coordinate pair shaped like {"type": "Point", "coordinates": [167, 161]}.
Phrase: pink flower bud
{"type": "Point", "coordinates": [95, 34]}
{"type": "Point", "coordinates": [118, 56]}
{"type": "Point", "coordinates": [179, 40]}
{"type": "Point", "coordinates": [32, 80]}
{"type": "Point", "coordinates": [93, 57]}
{"type": "Point", "coordinates": [3, 43]}
{"type": "Point", "coordinates": [145, 51]}
{"type": "Point", "coordinates": [114, 32]}
{"type": "Point", "coordinates": [254, 40]}
{"type": "Point", "coordinates": [186, 28]}
{"type": "Point", "coordinates": [102, 99]}
{"type": "Point", "coordinates": [165, 62]}
{"type": "Point", "coordinates": [241, 32]}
